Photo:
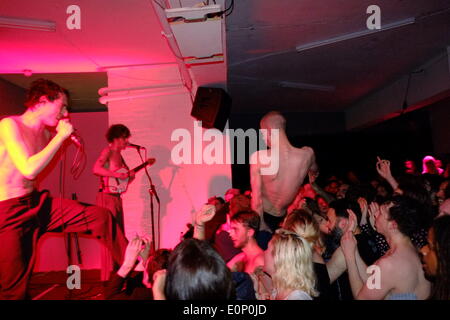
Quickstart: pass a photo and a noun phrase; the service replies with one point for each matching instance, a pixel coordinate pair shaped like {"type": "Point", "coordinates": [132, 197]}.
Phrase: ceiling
{"type": "Point", "coordinates": [261, 37]}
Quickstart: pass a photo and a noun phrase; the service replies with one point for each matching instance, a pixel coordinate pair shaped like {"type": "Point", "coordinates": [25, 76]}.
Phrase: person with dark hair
{"type": "Point", "coordinates": [117, 131]}
{"type": "Point", "coordinates": [222, 241]}
{"type": "Point", "coordinates": [411, 168]}
{"type": "Point", "coordinates": [27, 146]}
{"type": "Point", "coordinates": [242, 280]}
{"type": "Point", "coordinates": [413, 187]}
{"type": "Point", "coordinates": [332, 187]}
{"type": "Point", "coordinates": [383, 192]}
{"type": "Point", "coordinates": [195, 272]}
{"type": "Point", "coordinates": [44, 88]}
{"type": "Point", "coordinates": [322, 204]}
{"type": "Point", "coordinates": [244, 227]}
{"type": "Point", "coordinates": [341, 215]}
{"type": "Point", "coordinates": [107, 166]}
{"type": "Point", "coordinates": [436, 258]}
{"type": "Point", "coordinates": [444, 191]}
{"type": "Point", "coordinates": [398, 274]}
{"type": "Point", "coordinates": [219, 218]}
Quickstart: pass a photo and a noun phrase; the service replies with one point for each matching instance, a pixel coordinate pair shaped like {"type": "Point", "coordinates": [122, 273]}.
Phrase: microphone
{"type": "Point", "coordinates": [131, 145]}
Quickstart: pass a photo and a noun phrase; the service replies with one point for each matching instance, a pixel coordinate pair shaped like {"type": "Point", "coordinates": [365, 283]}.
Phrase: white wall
{"type": "Point", "coordinates": [182, 189]}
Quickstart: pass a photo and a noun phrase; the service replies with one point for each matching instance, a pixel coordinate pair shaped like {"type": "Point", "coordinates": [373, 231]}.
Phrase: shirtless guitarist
{"type": "Point", "coordinates": [107, 166]}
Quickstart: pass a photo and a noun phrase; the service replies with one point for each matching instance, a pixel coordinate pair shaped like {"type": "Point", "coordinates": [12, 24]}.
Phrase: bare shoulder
{"type": "Point", "coordinates": [388, 264]}
{"type": "Point", "coordinates": [8, 122]}
{"type": "Point", "coordinates": [260, 258]}
{"type": "Point", "coordinates": [307, 150]}
{"type": "Point", "coordinates": [237, 263]}
{"type": "Point", "coordinates": [106, 152]}
{"type": "Point", "coordinates": [104, 155]}
{"type": "Point", "coordinates": [239, 257]}
{"type": "Point", "coordinates": [304, 152]}
{"type": "Point", "coordinates": [8, 126]}
{"type": "Point", "coordinates": [255, 157]}
{"type": "Point", "coordinates": [385, 260]}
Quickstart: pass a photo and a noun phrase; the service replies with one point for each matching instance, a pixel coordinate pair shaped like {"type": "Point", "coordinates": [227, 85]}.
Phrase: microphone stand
{"type": "Point", "coordinates": [152, 192]}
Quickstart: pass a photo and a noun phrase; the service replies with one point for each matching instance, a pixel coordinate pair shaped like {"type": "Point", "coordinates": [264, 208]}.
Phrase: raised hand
{"type": "Point", "coordinates": [132, 251]}
{"type": "Point", "coordinates": [374, 210]}
{"type": "Point", "coordinates": [352, 221]}
{"type": "Point", "coordinates": [364, 210]}
{"type": "Point", "coordinates": [348, 244]}
{"type": "Point", "coordinates": [64, 128]}
{"type": "Point", "coordinates": [384, 168]}
{"type": "Point", "coordinates": [205, 214]}
{"type": "Point", "coordinates": [144, 254]}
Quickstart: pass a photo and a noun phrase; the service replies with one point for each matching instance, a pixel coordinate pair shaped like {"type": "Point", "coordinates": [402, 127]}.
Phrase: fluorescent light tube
{"type": "Point", "coordinates": [307, 86]}
{"type": "Point", "coordinates": [354, 35]}
{"type": "Point", "coordinates": [27, 24]}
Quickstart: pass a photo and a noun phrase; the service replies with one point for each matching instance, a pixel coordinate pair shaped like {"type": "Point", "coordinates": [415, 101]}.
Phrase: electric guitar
{"type": "Point", "coordinates": [117, 185]}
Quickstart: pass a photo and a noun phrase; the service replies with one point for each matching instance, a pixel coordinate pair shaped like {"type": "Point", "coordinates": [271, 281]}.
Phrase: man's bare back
{"type": "Point", "coordinates": [403, 269]}
{"type": "Point", "coordinates": [273, 193]}
{"type": "Point", "coordinates": [279, 190]}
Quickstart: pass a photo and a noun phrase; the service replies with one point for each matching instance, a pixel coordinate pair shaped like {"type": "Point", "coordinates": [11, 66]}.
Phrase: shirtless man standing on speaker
{"type": "Point", "coordinates": [272, 193]}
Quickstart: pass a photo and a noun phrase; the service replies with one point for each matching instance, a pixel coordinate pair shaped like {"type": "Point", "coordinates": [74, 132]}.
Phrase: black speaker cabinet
{"type": "Point", "coordinates": [212, 106]}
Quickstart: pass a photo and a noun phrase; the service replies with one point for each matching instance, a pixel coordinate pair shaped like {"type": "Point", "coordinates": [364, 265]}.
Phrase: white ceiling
{"type": "Point", "coordinates": [261, 36]}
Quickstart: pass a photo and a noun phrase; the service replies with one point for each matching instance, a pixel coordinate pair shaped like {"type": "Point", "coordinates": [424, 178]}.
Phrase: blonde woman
{"type": "Point", "coordinates": [288, 260]}
{"type": "Point", "coordinates": [304, 225]}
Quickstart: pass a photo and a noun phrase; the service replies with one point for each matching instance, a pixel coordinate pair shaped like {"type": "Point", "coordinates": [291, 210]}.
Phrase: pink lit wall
{"type": "Point", "coordinates": [12, 98]}
{"type": "Point", "coordinates": [182, 188]}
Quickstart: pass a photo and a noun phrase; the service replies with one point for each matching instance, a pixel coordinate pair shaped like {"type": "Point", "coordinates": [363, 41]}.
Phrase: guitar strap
{"type": "Point", "coordinates": [103, 186]}
{"type": "Point", "coordinates": [124, 163]}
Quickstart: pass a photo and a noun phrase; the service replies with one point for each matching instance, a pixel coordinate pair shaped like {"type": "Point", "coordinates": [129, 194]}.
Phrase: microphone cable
{"type": "Point", "coordinates": [79, 161]}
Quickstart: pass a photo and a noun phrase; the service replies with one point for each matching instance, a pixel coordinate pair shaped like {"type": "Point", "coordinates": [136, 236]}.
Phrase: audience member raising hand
{"type": "Point", "coordinates": [384, 170]}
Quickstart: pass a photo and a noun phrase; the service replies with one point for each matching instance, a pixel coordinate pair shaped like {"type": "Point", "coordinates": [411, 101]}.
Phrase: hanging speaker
{"type": "Point", "coordinates": [211, 106]}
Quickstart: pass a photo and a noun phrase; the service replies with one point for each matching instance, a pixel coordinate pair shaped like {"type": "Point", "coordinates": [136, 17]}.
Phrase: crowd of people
{"type": "Point", "coordinates": [291, 237]}
{"type": "Point", "coordinates": [340, 240]}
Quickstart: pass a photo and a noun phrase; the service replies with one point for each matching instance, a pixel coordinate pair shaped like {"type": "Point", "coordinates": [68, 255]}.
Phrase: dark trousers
{"type": "Point", "coordinates": [272, 222]}
{"type": "Point", "coordinates": [23, 220]}
{"type": "Point", "coordinates": [112, 202]}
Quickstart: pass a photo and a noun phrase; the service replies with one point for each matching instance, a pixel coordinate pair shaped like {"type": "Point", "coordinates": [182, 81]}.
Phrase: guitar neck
{"type": "Point", "coordinates": [140, 167]}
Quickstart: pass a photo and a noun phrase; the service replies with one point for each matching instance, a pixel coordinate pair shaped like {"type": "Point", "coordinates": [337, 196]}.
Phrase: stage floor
{"type": "Point", "coordinates": [52, 286]}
